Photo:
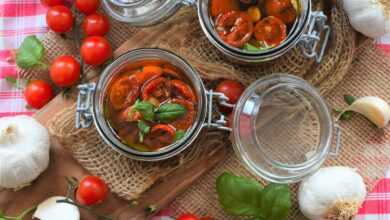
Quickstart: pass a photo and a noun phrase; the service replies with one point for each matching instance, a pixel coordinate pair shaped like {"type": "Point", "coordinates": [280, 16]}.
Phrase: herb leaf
{"type": "Point", "coordinates": [143, 129]}
{"type": "Point", "coordinates": [275, 202]}
{"type": "Point", "coordinates": [145, 108]}
{"type": "Point", "coordinates": [179, 135]}
{"type": "Point", "coordinates": [252, 48]}
{"type": "Point", "coordinates": [349, 99]}
{"type": "Point", "coordinates": [239, 195]}
{"type": "Point", "coordinates": [170, 111]}
{"type": "Point", "coordinates": [30, 53]}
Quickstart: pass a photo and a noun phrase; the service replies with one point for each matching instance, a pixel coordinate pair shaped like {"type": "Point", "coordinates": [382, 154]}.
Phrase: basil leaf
{"type": "Point", "coordinates": [275, 202]}
{"type": "Point", "coordinates": [30, 53]}
{"type": "Point", "coordinates": [239, 195]}
{"type": "Point", "coordinates": [349, 99]}
{"type": "Point", "coordinates": [252, 48]}
{"type": "Point", "coordinates": [146, 109]}
{"type": "Point", "coordinates": [179, 135]}
{"type": "Point", "coordinates": [170, 111]}
{"type": "Point", "coordinates": [143, 129]}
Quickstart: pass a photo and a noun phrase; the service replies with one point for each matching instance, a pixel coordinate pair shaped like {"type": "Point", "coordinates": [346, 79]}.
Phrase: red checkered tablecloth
{"type": "Point", "coordinates": [21, 18]}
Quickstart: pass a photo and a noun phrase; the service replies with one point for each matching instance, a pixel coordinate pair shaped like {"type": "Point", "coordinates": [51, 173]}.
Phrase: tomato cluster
{"type": "Point", "coordinates": [65, 70]}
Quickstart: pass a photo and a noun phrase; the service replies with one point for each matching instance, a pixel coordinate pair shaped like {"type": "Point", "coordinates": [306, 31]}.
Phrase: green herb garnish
{"type": "Point", "coordinates": [145, 108]}
{"type": "Point", "coordinates": [179, 135]}
{"type": "Point", "coordinates": [242, 196]}
{"type": "Point", "coordinates": [349, 99]}
{"type": "Point", "coordinates": [170, 111]}
{"type": "Point", "coordinates": [252, 48]}
{"type": "Point", "coordinates": [30, 53]}
{"type": "Point", "coordinates": [143, 130]}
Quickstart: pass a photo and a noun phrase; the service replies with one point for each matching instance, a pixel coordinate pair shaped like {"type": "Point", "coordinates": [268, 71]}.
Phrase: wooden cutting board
{"type": "Point", "coordinates": [62, 164]}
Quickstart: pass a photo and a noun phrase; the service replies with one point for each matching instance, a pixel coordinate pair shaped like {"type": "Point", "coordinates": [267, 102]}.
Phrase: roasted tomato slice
{"type": "Point", "coordinates": [160, 135]}
{"type": "Point", "coordinates": [124, 92]}
{"type": "Point", "coordinates": [172, 72]}
{"type": "Point", "coordinates": [183, 90]}
{"type": "Point", "coordinates": [221, 6]}
{"type": "Point", "coordinates": [148, 72]}
{"type": "Point", "coordinates": [234, 27]}
{"type": "Point", "coordinates": [158, 88]}
{"type": "Point", "coordinates": [184, 122]}
{"type": "Point", "coordinates": [282, 9]}
{"type": "Point", "coordinates": [271, 30]}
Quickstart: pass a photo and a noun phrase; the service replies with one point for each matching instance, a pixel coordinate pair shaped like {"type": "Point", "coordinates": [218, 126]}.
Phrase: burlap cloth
{"type": "Point", "coordinates": [363, 146]}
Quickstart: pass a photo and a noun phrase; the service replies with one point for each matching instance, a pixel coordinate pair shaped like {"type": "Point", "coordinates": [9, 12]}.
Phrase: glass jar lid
{"type": "Point", "coordinates": [141, 12]}
{"type": "Point", "coordinates": [282, 128]}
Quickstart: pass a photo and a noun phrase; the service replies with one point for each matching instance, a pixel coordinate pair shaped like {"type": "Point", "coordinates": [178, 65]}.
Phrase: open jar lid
{"type": "Point", "coordinates": [141, 12]}
{"type": "Point", "coordinates": [282, 128]}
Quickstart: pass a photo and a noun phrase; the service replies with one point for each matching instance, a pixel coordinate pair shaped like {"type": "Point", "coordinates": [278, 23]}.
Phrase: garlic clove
{"type": "Point", "coordinates": [375, 109]}
{"type": "Point", "coordinates": [51, 210]}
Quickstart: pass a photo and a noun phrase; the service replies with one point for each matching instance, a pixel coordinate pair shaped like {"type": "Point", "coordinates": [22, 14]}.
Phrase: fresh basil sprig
{"type": "Point", "coordinates": [30, 53]}
{"type": "Point", "coordinates": [170, 111]}
{"type": "Point", "coordinates": [143, 130]}
{"type": "Point", "coordinates": [179, 135]}
{"type": "Point", "coordinates": [242, 196]}
{"type": "Point", "coordinates": [145, 108]}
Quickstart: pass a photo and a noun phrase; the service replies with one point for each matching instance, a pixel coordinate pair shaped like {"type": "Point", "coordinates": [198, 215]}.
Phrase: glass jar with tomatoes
{"type": "Point", "coordinates": [150, 105]}
{"type": "Point", "coordinates": [245, 31]}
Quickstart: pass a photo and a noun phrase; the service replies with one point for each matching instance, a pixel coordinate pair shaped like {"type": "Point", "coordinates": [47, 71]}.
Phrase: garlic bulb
{"type": "Point", "coordinates": [332, 193]}
{"type": "Point", "coordinates": [51, 210]}
{"type": "Point", "coordinates": [24, 151]}
{"type": "Point", "coordinates": [370, 17]}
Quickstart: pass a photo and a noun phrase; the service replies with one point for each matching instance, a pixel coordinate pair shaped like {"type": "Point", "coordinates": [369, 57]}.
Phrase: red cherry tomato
{"type": "Point", "coordinates": [87, 6]}
{"type": "Point", "coordinates": [59, 19]}
{"type": "Point", "coordinates": [160, 135]}
{"type": "Point", "coordinates": [124, 92]}
{"type": "Point", "coordinates": [158, 88]}
{"type": "Point", "coordinates": [95, 50]}
{"type": "Point", "coordinates": [282, 9]}
{"type": "Point", "coordinates": [234, 27]}
{"type": "Point", "coordinates": [96, 25]}
{"type": "Point", "coordinates": [38, 93]}
{"type": "Point", "coordinates": [65, 71]}
{"type": "Point", "coordinates": [271, 30]}
{"type": "Point", "coordinates": [188, 216]}
{"type": "Point", "coordinates": [184, 122]}
{"type": "Point", "coordinates": [183, 90]}
{"type": "Point", "coordinates": [232, 90]}
{"type": "Point", "coordinates": [92, 190]}
{"type": "Point", "coordinates": [51, 3]}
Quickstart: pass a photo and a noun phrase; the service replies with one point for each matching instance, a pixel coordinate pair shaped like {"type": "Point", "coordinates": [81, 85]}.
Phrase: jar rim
{"type": "Point", "coordinates": [299, 170]}
{"type": "Point", "coordinates": [114, 68]}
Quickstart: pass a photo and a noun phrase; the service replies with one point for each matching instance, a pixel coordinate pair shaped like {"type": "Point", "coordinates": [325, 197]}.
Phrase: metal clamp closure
{"type": "Point", "coordinates": [336, 150]}
{"type": "Point", "coordinates": [219, 121]}
{"type": "Point", "coordinates": [311, 44]}
{"type": "Point", "coordinates": [84, 117]}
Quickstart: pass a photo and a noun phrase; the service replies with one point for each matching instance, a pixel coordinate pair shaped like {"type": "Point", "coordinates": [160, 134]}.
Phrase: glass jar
{"type": "Point", "coordinates": [282, 128]}
{"type": "Point", "coordinates": [310, 31]}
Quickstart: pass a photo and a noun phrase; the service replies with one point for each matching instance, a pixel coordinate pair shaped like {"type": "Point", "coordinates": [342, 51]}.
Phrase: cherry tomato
{"type": "Point", "coordinates": [234, 27]}
{"type": "Point", "coordinates": [92, 190]}
{"type": "Point", "coordinates": [124, 92]}
{"type": "Point", "coordinates": [159, 88]}
{"type": "Point", "coordinates": [95, 50]}
{"type": "Point", "coordinates": [232, 90]}
{"type": "Point", "coordinates": [38, 93]}
{"type": "Point", "coordinates": [183, 90]}
{"type": "Point", "coordinates": [96, 25]}
{"type": "Point", "coordinates": [59, 19]}
{"type": "Point", "coordinates": [184, 122]}
{"type": "Point", "coordinates": [51, 3]}
{"type": "Point", "coordinates": [282, 9]}
{"type": "Point", "coordinates": [160, 135]}
{"type": "Point", "coordinates": [65, 71]}
{"type": "Point", "coordinates": [188, 216]}
{"type": "Point", "coordinates": [87, 6]}
{"type": "Point", "coordinates": [147, 73]}
{"type": "Point", "coordinates": [271, 30]}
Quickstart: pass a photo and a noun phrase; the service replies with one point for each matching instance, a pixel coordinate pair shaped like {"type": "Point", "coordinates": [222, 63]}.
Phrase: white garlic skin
{"type": "Point", "coordinates": [24, 151]}
{"type": "Point", "coordinates": [319, 192]}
